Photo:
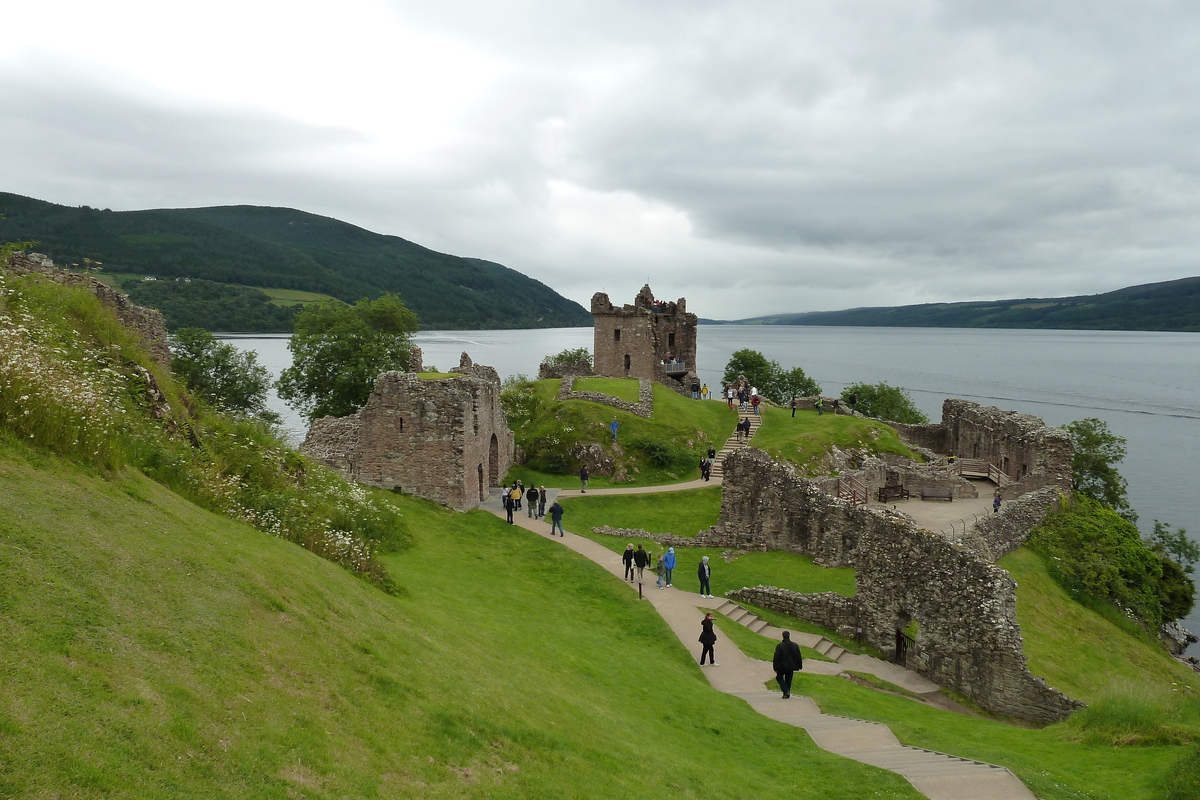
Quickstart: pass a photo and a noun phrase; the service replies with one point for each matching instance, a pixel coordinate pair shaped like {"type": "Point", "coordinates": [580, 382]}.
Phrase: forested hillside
{"type": "Point", "coordinates": [1167, 306]}
{"type": "Point", "coordinates": [288, 249]}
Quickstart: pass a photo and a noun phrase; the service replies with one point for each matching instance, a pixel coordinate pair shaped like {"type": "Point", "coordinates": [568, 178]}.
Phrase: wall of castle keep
{"type": "Point", "coordinates": [632, 341]}
{"type": "Point", "coordinates": [146, 323]}
{"type": "Point", "coordinates": [445, 440]}
{"type": "Point", "coordinates": [965, 606]}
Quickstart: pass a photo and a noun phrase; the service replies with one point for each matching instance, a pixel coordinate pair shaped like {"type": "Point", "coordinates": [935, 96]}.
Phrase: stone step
{"type": "Point", "coordinates": [758, 624]}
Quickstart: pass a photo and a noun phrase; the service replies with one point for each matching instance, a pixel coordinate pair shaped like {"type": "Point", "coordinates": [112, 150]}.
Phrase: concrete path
{"type": "Point", "coordinates": [936, 775]}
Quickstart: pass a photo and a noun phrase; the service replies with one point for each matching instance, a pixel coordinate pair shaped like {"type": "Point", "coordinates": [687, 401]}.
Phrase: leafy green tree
{"type": "Point", "coordinates": [794, 383]}
{"type": "Point", "coordinates": [1093, 467]}
{"type": "Point", "coordinates": [758, 369]}
{"type": "Point", "coordinates": [1176, 544]}
{"type": "Point", "coordinates": [338, 350]}
{"type": "Point", "coordinates": [220, 374]}
{"type": "Point", "coordinates": [569, 357]}
{"type": "Point", "coordinates": [884, 401]}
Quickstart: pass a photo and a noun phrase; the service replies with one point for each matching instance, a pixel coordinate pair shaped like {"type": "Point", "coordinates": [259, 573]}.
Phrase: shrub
{"type": "Point", "coordinates": [569, 357]}
{"type": "Point", "coordinates": [883, 401]}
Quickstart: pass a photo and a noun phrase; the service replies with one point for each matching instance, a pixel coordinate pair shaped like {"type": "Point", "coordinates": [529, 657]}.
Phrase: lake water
{"type": "Point", "coordinates": [1146, 386]}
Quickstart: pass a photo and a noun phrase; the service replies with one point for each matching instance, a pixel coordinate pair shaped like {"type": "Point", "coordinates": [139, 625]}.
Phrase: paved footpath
{"type": "Point", "coordinates": [936, 775]}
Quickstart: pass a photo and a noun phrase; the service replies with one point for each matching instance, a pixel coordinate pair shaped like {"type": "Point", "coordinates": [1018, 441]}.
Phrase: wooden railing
{"type": "Point", "coordinates": [852, 489]}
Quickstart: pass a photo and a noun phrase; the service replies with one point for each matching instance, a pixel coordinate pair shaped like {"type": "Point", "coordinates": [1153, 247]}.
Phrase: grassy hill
{"type": "Point", "coordinates": [1166, 306]}
{"type": "Point", "coordinates": [281, 248]}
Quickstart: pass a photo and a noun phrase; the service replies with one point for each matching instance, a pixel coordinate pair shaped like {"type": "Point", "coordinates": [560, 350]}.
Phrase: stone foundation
{"type": "Point", "coordinates": [644, 407]}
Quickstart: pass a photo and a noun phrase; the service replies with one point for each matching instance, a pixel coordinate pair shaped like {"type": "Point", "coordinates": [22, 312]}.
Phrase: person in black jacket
{"type": "Point", "coordinates": [708, 638]}
{"type": "Point", "coordinates": [787, 660]}
{"type": "Point", "coordinates": [531, 500]}
{"type": "Point", "coordinates": [627, 559]}
{"type": "Point", "coordinates": [705, 572]}
{"type": "Point", "coordinates": [640, 559]}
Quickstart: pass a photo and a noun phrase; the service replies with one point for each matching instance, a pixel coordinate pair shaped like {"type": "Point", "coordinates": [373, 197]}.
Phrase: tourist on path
{"type": "Point", "coordinates": [515, 495]}
{"type": "Point", "coordinates": [583, 477]}
{"type": "Point", "coordinates": [708, 637]}
{"type": "Point", "coordinates": [542, 501]}
{"type": "Point", "coordinates": [704, 391]}
{"type": "Point", "coordinates": [853, 400]}
{"type": "Point", "coordinates": [705, 572]}
{"type": "Point", "coordinates": [819, 405]}
{"type": "Point", "coordinates": [996, 502]}
{"type": "Point", "coordinates": [640, 559]}
{"type": "Point", "coordinates": [712, 452]}
{"type": "Point", "coordinates": [556, 512]}
{"type": "Point", "coordinates": [669, 563]}
{"type": "Point", "coordinates": [627, 560]}
{"type": "Point", "coordinates": [661, 570]}
{"type": "Point", "coordinates": [754, 401]}
{"type": "Point", "coordinates": [695, 390]}
{"type": "Point", "coordinates": [506, 499]}
{"type": "Point", "coordinates": [793, 405]}
{"type": "Point", "coordinates": [705, 468]}
{"type": "Point", "coordinates": [613, 428]}
{"type": "Point", "coordinates": [531, 498]}
{"type": "Point", "coordinates": [787, 660]}
{"type": "Point", "coordinates": [729, 395]}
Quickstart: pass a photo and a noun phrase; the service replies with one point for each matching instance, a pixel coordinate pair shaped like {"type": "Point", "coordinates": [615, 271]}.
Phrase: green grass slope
{"type": "Point", "coordinates": [804, 440]}
{"type": "Point", "coordinates": [152, 649]}
{"type": "Point", "coordinates": [284, 248]}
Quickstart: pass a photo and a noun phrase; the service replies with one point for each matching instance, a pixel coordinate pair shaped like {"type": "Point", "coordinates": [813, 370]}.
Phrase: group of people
{"type": "Point", "coordinates": [707, 461]}
{"type": "Point", "coordinates": [534, 500]}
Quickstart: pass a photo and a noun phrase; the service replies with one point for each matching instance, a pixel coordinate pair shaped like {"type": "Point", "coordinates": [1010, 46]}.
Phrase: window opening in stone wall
{"type": "Point", "coordinates": [616, 334]}
{"type": "Point", "coordinates": [627, 362]}
{"type": "Point", "coordinates": [670, 340]}
{"type": "Point", "coordinates": [493, 462]}
{"type": "Point", "coordinates": [482, 488]}
{"type": "Point", "coordinates": [402, 424]}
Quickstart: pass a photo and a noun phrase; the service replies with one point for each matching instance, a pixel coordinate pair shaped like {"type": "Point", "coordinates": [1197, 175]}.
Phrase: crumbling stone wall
{"type": "Point", "coordinates": [632, 341]}
{"type": "Point", "coordinates": [644, 407]}
{"type": "Point", "coordinates": [1032, 454]}
{"type": "Point", "coordinates": [445, 440]}
{"type": "Point", "coordinates": [827, 609]}
{"type": "Point", "coordinates": [998, 535]}
{"type": "Point", "coordinates": [580, 369]}
{"type": "Point", "coordinates": [964, 605]}
{"type": "Point", "coordinates": [146, 323]}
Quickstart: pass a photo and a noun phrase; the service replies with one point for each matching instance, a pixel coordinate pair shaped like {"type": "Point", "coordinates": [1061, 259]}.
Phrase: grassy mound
{"type": "Point", "coordinates": [153, 649]}
{"type": "Point", "coordinates": [556, 436]}
{"type": "Point", "coordinates": [805, 439]}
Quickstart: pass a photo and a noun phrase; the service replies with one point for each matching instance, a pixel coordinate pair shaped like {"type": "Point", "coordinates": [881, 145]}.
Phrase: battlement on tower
{"type": "Point", "coordinates": [649, 339]}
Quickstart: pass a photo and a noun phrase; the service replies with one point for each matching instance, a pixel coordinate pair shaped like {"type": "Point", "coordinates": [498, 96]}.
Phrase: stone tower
{"type": "Point", "coordinates": [649, 339]}
{"type": "Point", "coordinates": [445, 439]}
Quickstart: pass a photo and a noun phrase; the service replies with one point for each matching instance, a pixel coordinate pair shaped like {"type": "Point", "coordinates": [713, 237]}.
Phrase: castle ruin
{"type": "Point", "coordinates": [445, 439]}
{"type": "Point", "coordinates": [650, 339]}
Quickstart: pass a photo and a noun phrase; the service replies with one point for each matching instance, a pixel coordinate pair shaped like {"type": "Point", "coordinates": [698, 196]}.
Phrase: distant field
{"type": "Point", "coordinates": [291, 297]}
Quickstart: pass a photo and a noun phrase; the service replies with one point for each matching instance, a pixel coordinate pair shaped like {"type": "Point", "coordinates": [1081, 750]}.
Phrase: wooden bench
{"type": "Point", "coordinates": [886, 493]}
{"type": "Point", "coordinates": [937, 493]}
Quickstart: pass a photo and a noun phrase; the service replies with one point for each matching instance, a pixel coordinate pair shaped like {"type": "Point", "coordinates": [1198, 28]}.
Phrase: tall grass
{"type": "Point", "coordinates": [1139, 714]}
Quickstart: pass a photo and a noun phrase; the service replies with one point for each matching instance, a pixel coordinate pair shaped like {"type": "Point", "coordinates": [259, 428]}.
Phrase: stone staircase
{"type": "Point", "coordinates": [748, 619]}
{"type": "Point", "coordinates": [733, 444]}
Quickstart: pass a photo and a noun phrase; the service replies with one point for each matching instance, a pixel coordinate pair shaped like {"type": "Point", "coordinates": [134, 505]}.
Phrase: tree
{"type": "Point", "coordinates": [757, 368]}
{"type": "Point", "coordinates": [220, 374]}
{"type": "Point", "coordinates": [884, 401]}
{"type": "Point", "coordinates": [338, 350]}
{"type": "Point", "coordinates": [794, 383]}
{"type": "Point", "coordinates": [1093, 467]}
{"type": "Point", "coordinates": [1176, 544]}
{"type": "Point", "coordinates": [569, 357]}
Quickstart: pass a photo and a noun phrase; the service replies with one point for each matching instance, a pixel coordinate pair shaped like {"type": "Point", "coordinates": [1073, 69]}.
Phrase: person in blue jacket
{"type": "Point", "coordinates": [669, 563]}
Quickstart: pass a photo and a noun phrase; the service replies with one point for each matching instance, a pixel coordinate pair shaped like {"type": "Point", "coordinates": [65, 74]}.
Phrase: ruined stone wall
{"type": "Point", "coordinates": [146, 323]}
{"type": "Point", "coordinates": [964, 605]}
{"type": "Point", "coordinates": [998, 535]}
{"type": "Point", "coordinates": [632, 341]}
{"type": "Point", "coordinates": [929, 436]}
{"type": "Point", "coordinates": [644, 407]}
{"type": "Point", "coordinates": [827, 609]}
{"type": "Point", "coordinates": [445, 440]}
{"type": "Point", "coordinates": [580, 369]}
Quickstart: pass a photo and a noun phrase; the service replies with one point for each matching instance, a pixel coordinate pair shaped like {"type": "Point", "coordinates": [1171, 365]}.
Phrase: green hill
{"type": "Point", "coordinates": [1167, 306]}
{"type": "Point", "coordinates": [281, 248]}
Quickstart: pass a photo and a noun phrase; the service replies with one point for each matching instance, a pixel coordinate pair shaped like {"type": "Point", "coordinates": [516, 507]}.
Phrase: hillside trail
{"type": "Point", "coordinates": [938, 776]}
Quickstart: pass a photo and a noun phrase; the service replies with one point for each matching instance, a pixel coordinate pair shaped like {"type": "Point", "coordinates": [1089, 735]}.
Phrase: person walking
{"type": "Point", "coordinates": [712, 452]}
{"type": "Point", "coordinates": [729, 394]}
{"type": "Point", "coordinates": [754, 401]}
{"type": "Point", "coordinates": [704, 392]}
{"type": "Point", "coordinates": [705, 468]}
{"type": "Point", "coordinates": [853, 400]}
{"type": "Point", "coordinates": [793, 405]}
{"type": "Point", "coordinates": [640, 559]}
{"type": "Point", "coordinates": [613, 427]}
{"type": "Point", "coordinates": [661, 570]}
{"type": "Point", "coordinates": [542, 501]}
{"type": "Point", "coordinates": [996, 502]}
{"type": "Point", "coordinates": [708, 637]}
{"type": "Point", "coordinates": [819, 405]}
{"type": "Point", "coordinates": [787, 660]}
{"type": "Point", "coordinates": [627, 560]}
{"type": "Point", "coordinates": [531, 499]}
{"type": "Point", "coordinates": [583, 477]}
{"type": "Point", "coordinates": [705, 572]}
{"type": "Point", "coordinates": [514, 494]}
{"type": "Point", "coordinates": [508, 506]}
{"type": "Point", "coordinates": [695, 390]}
{"type": "Point", "coordinates": [556, 512]}
{"type": "Point", "coordinates": [669, 563]}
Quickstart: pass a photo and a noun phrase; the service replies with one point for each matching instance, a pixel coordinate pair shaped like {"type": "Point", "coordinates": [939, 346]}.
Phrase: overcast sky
{"type": "Point", "coordinates": [755, 157]}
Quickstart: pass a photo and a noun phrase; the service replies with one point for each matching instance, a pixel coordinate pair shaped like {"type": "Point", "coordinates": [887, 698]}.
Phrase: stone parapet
{"type": "Point", "coordinates": [830, 610]}
{"type": "Point", "coordinates": [580, 369]}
